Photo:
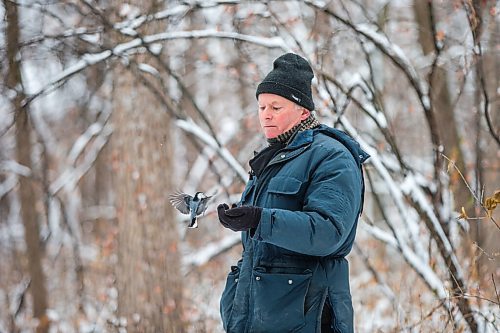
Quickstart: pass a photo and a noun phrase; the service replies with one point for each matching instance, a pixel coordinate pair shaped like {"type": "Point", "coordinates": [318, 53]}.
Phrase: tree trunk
{"type": "Point", "coordinates": [148, 271]}
{"type": "Point", "coordinates": [487, 163]}
{"type": "Point", "coordinates": [445, 117]}
{"type": "Point", "coordinates": [448, 132]}
{"type": "Point", "coordinates": [28, 198]}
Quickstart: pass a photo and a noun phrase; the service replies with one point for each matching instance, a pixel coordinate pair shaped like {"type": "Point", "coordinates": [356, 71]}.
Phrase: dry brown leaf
{"type": "Point", "coordinates": [440, 35]}
{"type": "Point", "coordinates": [490, 203]}
{"type": "Point", "coordinates": [463, 214]}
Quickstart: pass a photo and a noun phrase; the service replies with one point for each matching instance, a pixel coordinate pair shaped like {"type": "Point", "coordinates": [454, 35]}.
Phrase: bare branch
{"type": "Point", "coordinates": [470, 190]}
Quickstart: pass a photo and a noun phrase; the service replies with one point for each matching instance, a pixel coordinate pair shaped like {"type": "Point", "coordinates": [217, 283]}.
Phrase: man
{"type": "Point", "coordinates": [298, 216]}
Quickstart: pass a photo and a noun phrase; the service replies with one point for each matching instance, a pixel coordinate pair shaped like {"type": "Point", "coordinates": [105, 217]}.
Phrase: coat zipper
{"type": "Point", "coordinates": [259, 181]}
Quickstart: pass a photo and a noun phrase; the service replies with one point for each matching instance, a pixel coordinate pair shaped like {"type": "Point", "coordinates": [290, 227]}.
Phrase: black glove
{"type": "Point", "coordinates": [239, 218]}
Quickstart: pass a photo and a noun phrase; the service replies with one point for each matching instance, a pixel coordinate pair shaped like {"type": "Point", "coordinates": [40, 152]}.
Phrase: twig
{"type": "Point", "coordinates": [422, 320]}
{"type": "Point", "coordinates": [452, 163]}
{"type": "Point", "coordinates": [496, 290]}
{"type": "Point", "coordinates": [483, 251]}
{"type": "Point", "coordinates": [378, 278]}
{"type": "Point", "coordinates": [465, 295]}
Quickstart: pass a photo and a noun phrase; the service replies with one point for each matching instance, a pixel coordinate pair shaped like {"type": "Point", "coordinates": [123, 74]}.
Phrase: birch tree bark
{"type": "Point", "coordinates": [34, 251]}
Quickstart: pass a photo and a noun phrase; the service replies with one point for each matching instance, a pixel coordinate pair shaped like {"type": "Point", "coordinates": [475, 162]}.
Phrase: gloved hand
{"type": "Point", "coordinates": [239, 218]}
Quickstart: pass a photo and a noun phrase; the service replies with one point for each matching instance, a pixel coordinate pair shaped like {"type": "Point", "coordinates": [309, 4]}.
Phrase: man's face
{"type": "Point", "coordinates": [278, 115]}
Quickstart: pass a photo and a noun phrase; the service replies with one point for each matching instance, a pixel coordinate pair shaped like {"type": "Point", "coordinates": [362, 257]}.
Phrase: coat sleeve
{"type": "Point", "coordinates": [329, 215]}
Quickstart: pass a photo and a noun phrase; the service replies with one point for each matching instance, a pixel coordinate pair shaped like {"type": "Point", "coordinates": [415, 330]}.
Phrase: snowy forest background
{"type": "Point", "coordinates": [107, 107]}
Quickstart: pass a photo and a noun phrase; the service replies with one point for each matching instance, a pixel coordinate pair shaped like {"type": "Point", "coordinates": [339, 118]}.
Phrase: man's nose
{"type": "Point", "coordinates": [267, 113]}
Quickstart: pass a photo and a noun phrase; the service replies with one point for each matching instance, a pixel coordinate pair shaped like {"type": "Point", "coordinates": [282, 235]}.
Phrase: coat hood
{"type": "Point", "coordinates": [352, 145]}
{"type": "Point", "coordinates": [302, 138]}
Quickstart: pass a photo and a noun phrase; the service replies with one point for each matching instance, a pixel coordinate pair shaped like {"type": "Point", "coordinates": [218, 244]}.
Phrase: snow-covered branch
{"type": "Point", "coordinates": [15, 167]}
{"type": "Point", "coordinates": [129, 26]}
{"type": "Point", "coordinates": [7, 185]}
{"type": "Point", "coordinates": [381, 235]}
{"type": "Point", "coordinates": [412, 258]}
{"type": "Point", "coordinates": [119, 50]}
{"type": "Point", "coordinates": [190, 127]}
{"type": "Point", "coordinates": [70, 177]}
{"type": "Point", "coordinates": [366, 106]}
{"type": "Point", "coordinates": [397, 56]}
{"type": "Point", "coordinates": [378, 117]}
{"type": "Point", "coordinates": [406, 213]}
{"type": "Point", "coordinates": [394, 52]}
{"type": "Point", "coordinates": [398, 198]}
{"type": "Point", "coordinates": [211, 250]}
{"type": "Point", "coordinates": [411, 188]}
{"type": "Point", "coordinates": [94, 130]}
{"type": "Point", "coordinates": [86, 61]}
{"type": "Point", "coordinates": [89, 35]}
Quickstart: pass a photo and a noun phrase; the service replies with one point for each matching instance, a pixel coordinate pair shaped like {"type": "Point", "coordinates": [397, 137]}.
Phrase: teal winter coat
{"type": "Point", "coordinates": [294, 262]}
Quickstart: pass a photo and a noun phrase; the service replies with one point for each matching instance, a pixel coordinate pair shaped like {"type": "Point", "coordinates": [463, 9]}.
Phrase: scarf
{"type": "Point", "coordinates": [308, 123]}
{"type": "Point", "coordinates": [261, 159]}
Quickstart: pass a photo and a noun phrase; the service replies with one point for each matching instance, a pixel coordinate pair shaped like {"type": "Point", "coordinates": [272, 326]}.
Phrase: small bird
{"type": "Point", "coordinates": [187, 204]}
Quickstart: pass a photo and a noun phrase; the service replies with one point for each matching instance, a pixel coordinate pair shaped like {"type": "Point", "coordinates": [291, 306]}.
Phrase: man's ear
{"type": "Point", "coordinates": [305, 114]}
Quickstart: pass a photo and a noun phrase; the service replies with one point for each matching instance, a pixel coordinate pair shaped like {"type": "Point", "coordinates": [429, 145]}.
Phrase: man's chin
{"type": "Point", "coordinates": [271, 133]}
{"type": "Point", "coordinates": [270, 136]}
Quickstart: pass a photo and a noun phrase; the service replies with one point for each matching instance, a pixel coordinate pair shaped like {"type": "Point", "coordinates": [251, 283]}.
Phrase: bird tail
{"type": "Point", "coordinates": [194, 223]}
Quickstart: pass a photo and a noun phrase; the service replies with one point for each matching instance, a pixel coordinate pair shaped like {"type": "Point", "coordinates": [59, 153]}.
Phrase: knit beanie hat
{"type": "Point", "coordinates": [290, 78]}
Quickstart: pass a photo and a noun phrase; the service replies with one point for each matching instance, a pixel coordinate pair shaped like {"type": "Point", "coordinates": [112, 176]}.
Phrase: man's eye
{"type": "Point", "coordinates": [276, 108]}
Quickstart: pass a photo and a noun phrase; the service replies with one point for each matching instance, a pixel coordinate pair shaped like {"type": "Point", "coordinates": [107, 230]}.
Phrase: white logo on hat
{"type": "Point", "coordinates": [295, 98]}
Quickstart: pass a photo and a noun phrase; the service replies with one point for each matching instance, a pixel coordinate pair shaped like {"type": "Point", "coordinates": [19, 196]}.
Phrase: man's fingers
{"type": "Point", "coordinates": [236, 212]}
{"type": "Point", "coordinates": [222, 207]}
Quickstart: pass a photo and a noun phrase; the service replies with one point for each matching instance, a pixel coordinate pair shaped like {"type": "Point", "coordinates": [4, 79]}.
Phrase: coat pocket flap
{"type": "Point", "coordinates": [284, 185]}
{"type": "Point", "coordinates": [279, 301]}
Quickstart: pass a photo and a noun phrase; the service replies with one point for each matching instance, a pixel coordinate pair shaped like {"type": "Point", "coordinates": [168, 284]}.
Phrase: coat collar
{"type": "Point", "coordinates": [303, 138]}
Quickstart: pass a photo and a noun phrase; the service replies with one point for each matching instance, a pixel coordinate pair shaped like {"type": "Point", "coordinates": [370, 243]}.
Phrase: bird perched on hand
{"type": "Point", "coordinates": [194, 206]}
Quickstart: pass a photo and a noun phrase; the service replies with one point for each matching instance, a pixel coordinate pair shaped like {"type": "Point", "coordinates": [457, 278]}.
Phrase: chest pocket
{"type": "Point", "coordinates": [285, 193]}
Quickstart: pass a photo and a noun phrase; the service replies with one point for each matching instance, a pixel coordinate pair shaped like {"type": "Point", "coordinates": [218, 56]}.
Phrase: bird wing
{"type": "Point", "coordinates": [203, 205]}
{"type": "Point", "coordinates": [181, 201]}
